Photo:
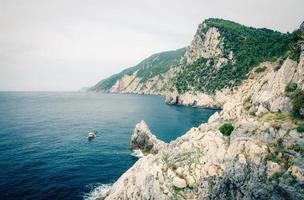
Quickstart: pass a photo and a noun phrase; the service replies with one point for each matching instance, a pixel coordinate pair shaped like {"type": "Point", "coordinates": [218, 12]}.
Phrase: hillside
{"type": "Point", "coordinates": [252, 149]}
{"type": "Point", "coordinates": [220, 56]}
{"type": "Point", "coordinates": [224, 52]}
{"type": "Point", "coordinates": [146, 75]}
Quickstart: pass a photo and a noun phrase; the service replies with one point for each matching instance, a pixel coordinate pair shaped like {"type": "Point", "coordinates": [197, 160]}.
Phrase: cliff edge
{"type": "Point", "coordinates": [252, 149]}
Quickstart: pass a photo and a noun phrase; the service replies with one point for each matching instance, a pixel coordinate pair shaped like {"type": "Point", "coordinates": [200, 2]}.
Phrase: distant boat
{"type": "Point", "coordinates": [91, 135]}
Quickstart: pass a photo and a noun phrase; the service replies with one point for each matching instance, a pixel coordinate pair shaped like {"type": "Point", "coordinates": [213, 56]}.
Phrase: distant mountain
{"type": "Point", "coordinates": [145, 76]}
{"type": "Point", "coordinates": [221, 55]}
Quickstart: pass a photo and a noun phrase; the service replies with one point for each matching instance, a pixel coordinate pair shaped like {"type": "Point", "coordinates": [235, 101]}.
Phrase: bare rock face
{"type": "Point", "coordinates": [144, 140]}
{"type": "Point", "coordinates": [204, 164]}
{"type": "Point", "coordinates": [158, 84]}
{"type": "Point", "coordinates": [258, 160]}
{"type": "Point", "coordinates": [171, 98]}
{"type": "Point", "coordinates": [179, 182]}
{"type": "Point", "coordinates": [207, 45]}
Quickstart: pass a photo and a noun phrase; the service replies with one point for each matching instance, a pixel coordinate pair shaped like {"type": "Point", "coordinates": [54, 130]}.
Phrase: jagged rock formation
{"type": "Point", "coordinates": [261, 159]}
{"type": "Point", "coordinates": [219, 58]}
{"type": "Point", "coordinates": [144, 140]}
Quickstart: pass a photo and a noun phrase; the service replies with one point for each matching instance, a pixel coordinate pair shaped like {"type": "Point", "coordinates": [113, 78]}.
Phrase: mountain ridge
{"type": "Point", "coordinates": [158, 63]}
{"type": "Point", "coordinates": [252, 149]}
{"type": "Point", "coordinates": [220, 56]}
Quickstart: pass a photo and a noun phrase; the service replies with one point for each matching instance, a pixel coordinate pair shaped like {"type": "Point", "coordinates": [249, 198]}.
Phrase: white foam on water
{"type": "Point", "coordinates": [100, 190]}
{"type": "Point", "coordinates": [137, 153]}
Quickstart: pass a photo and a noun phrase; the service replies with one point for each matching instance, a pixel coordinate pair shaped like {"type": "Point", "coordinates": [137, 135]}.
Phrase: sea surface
{"type": "Point", "coordinates": [44, 150]}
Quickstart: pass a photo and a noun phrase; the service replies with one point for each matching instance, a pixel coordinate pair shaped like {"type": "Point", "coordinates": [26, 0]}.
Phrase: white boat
{"type": "Point", "coordinates": [91, 135]}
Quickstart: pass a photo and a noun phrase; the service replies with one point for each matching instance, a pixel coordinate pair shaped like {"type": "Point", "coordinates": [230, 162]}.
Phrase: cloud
{"type": "Point", "coordinates": [68, 44]}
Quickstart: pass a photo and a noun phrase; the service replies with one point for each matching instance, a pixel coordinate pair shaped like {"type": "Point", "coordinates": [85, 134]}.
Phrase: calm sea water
{"type": "Point", "coordinates": [44, 149]}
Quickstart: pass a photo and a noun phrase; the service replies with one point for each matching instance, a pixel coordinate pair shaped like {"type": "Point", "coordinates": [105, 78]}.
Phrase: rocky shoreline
{"type": "Point", "coordinates": [261, 159]}
{"type": "Point", "coordinates": [252, 149]}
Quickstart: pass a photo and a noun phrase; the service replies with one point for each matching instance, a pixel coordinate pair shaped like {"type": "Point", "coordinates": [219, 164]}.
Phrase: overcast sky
{"type": "Point", "coordinates": [63, 45]}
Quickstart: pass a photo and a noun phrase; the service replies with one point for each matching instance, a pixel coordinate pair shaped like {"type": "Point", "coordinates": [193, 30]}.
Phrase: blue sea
{"type": "Point", "coordinates": [44, 150]}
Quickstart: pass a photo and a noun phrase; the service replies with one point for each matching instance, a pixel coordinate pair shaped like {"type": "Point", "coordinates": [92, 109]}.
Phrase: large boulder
{"type": "Point", "coordinates": [144, 140]}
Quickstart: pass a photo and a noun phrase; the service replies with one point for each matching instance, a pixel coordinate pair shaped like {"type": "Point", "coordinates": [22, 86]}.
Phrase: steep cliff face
{"type": "Point", "coordinates": [151, 76]}
{"type": "Point", "coordinates": [261, 154]}
{"type": "Point", "coordinates": [261, 159]}
{"type": "Point", "coordinates": [223, 53]}
{"type": "Point", "coordinates": [206, 45]}
{"type": "Point", "coordinates": [158, 84]}
{"type": "Point", "coordinates": [220, 57]}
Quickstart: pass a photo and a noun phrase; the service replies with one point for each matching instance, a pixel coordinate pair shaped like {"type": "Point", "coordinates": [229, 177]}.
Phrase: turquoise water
{"type": "Point", "coordinates": [44, 149]}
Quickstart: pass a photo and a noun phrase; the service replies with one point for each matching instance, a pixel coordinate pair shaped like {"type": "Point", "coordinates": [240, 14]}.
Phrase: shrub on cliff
{"type": "Point", "coordinates": [290, 87]}
{"type": "Point", "coordinates": [226, 129]}
{"type": "Point", "coordinates": [260, 69]}
{"type": "Point", "coordinates": [300, 128]}
{"type": "Point", "coordinates": [297, 110]}
{"type": "Point", "coordinates": [295, 46]}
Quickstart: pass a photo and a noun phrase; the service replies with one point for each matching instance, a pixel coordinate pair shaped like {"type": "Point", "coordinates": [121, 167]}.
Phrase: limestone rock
{"type": "Point", "coordinates": [272, 168]}
{"type": "Point", "coordinates": [297, 169]}
{"type": "Point", "coordinates": [179, 182]}
{"type": "Point", "coordinates": [261, 111]}
{"type": "Point", "coordinates": [144, 140]}
{"type": "Point", "coordinates": [216, 167]}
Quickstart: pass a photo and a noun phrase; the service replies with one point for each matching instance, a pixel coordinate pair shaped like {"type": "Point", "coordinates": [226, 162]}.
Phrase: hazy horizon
{"type": "Point", "coordinates": [66, 45]}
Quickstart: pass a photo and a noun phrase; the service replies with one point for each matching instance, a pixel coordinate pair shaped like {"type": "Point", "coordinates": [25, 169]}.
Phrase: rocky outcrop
{"type": "Point", "coordinates": [134, 84]}
{"type": "Point", "coordinates": [207, 45]}
{"type": "Point", "coordinates": [151, 76]}
{"type": "Point", "coordinates": [144, 140]}
{"type": "Point", "coordinates": [260, 159]}
{"type": "Point", "coordinates": [204, 164]}
{"type": "Point", "coordinates": [198, 99]}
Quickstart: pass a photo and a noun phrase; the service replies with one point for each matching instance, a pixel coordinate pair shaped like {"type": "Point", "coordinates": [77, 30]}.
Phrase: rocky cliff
{"type": "Point", "coordinates": [220, 56]}
{"type": "Point", "coordinates": [151, 76]}
{"type": "Point", "coordinates": [259, 156]}
{"type": "Point", "coordinates": [252, 149]}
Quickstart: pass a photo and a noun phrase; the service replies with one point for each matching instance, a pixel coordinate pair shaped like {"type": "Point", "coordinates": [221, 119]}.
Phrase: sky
{"type": "Point", "coordinates": [64, 45]}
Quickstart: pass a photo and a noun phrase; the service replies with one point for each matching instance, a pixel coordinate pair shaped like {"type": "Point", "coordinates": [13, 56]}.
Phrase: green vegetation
{"type": "Point", "coordinates": [247, 103]}
{"type": "Point", "coordinates": [250, 46]}
{"type": "Point", "coordinates": [300, 128]}
{"type": "Point", "coordinates": [276, 176]}
{"type": "Point", "coordinates": [226, 129]}
{"type": "Point", "coordinates": [260, 69]}
{"type": "Point", "coordinates": [278, 153]}
{"type": "Point", "coordinates": [297, 96]}
{"type": "Point", "coordinates": [281, 155]}
{"type": "Point", "coordinates": [297, 110]}
{"type": "Point", "coordinates": [295, 45]}
{"type": "Point", "coordinates": [276, 117]}
{"type": "Point", "coordinates": [159, 63]}
{"type": "Point", "coordinates": [297, 147]}
{"type": "Point", "coordinates": [284, 177]}
{"type": "Point", "coordinates": [154, 65]}
{"type": "Point", "coordinates": [290, 87]}
{"type": "Point", "coordinates": [291, 180]}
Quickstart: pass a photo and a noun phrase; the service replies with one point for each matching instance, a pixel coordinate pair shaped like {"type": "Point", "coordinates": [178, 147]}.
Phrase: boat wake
{"type": "Point", "coordinates": [98, 191]}
{"type": "Point", "coordinates": [137, 153]}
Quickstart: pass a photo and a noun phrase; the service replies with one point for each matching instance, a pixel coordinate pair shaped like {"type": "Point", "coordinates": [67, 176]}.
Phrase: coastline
{"type": "Point", "coordinates": [154, 177]}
